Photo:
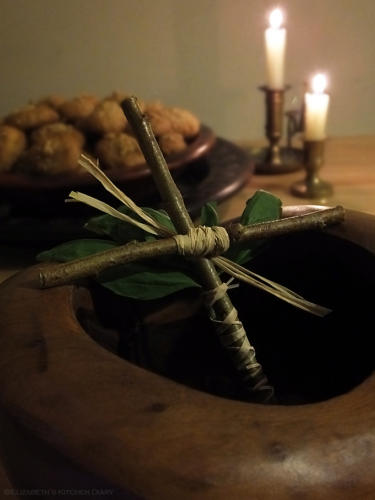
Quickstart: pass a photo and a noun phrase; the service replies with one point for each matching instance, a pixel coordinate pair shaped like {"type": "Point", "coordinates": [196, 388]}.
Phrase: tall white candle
{"type": "Point", "coordinates": [275, 39]}
{"type": "Point", "coordinates": [316, 109]}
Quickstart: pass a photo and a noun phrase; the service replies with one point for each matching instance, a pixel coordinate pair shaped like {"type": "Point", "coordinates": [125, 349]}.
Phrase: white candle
{"type": "Point", "coordinates": [316, 109]}
{"type": "Point", "coordinates": [275, 38]}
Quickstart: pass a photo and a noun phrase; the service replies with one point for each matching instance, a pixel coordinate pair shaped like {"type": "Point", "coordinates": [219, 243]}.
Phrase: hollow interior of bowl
{"type": "Point", "coordinates": [306, 358]}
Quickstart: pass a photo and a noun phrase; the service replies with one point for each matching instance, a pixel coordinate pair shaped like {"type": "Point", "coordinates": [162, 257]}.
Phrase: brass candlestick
{"type": "Point", "coordinates": [312, 186]}
{"type": "Point", "coordinates": [276, 159]}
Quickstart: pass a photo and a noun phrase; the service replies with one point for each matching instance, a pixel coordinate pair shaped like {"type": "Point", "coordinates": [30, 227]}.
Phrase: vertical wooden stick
{"type": "Point", "coordinates": [229, 328]}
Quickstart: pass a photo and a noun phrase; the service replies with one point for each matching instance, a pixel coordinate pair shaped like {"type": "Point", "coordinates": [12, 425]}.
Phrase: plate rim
{"type": "Point", "coordinates": [198, 147]}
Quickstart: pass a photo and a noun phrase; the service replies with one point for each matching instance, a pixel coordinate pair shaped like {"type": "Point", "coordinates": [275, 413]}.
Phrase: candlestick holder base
{"type": "Point", "coordinates": [312, 186]}
{"type": "Point", "coordinates": [316, 189]}
{"type": "Point", "coordinates": [288, 160]}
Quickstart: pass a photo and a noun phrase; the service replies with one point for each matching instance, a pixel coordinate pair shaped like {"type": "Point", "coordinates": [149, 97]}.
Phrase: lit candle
{"type": "Point", "coordinates": [275, 38]}
{"type": "Point", "coordinates": [316, 109]}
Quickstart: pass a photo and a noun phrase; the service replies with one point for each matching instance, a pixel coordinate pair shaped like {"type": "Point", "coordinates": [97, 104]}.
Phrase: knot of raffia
{"type": "Point", "coordinates": [203, 241]}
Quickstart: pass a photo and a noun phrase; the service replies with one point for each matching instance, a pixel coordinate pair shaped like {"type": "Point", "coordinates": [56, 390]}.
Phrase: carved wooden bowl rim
{"type": "Point", "coordinates": [159, 439]}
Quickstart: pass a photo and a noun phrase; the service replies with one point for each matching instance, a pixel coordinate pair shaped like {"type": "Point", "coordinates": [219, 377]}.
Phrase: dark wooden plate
{"type": "Point", "coordinates": [23, 189]}
{"type": "Point", "coordinates": [214, 176]}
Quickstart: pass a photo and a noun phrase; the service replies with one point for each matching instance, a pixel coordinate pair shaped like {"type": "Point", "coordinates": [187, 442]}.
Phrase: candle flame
{"type": "Point", "coordinates": [276, 18]}
{"type": "Point", "coordinates": [319, 83]}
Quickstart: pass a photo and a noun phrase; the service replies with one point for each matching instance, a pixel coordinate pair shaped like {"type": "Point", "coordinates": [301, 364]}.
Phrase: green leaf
{"type": "Point", "coordinates": [75, 250]}
{"type": "Point", "coordinates": [122, 231]}
{"type": "Point", "coordinates": [261, 207]}
{"type": "Point", "coordinates": [161, 216]}
{"type": "Point", "coordinates": [209, 216]}
{"type": "Point", "coordinates": [116, 229]}
{"type": "Point", "coordinates": [138, 281]}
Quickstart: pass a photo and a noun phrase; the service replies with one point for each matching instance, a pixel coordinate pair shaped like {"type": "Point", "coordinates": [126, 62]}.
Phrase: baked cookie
{"type": "Point", "coordinates": [119, 151]}
{"type": "Point", "coordinates": [32, 116]}
{"type": "Point", "coordinates": [184, 122]}
{"type": "Point", "coordinates": [53, 100]}
{"type": "Point", "coordinates": [159, 120]}
{"type": "Point", "coordinates": [55, 149]}
{"type": "Point", "coordinates": [120, 96]}
{"type": "Point", "coordinates": [107, 117]}
{"type": "Point", "coordinates": [12, 144]}
{"type": "Point", "coordinates": [57, 130]}
{"type": "Point", "coordinates": [77, 109]}
{"type": "Point", "coordinates": [155, 106]}
{"type": "Point", "coordinates": [172, 143]}
{"type": "Point", "coordinates": [42, 135]}
{"type": "Point", "coordinates": [117, 96]}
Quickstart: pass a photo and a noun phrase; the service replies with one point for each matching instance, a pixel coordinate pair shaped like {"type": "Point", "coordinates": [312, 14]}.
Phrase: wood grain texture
{"type": "Point", "coordinates": [161, 440]}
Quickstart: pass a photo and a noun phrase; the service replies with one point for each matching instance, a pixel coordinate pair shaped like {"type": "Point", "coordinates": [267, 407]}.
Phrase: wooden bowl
{"type": "Point", "coordinates": [75, 415]}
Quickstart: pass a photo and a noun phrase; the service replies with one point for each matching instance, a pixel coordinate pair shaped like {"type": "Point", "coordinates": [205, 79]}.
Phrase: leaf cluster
{"type": "Point", "coordinates": [158, 277]}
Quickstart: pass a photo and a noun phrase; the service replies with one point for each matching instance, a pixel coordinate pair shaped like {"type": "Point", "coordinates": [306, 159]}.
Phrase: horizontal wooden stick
{"type": "Point", "coordinates": [69, 272]}
{"type": "Point", "coordinates": [319, 219]}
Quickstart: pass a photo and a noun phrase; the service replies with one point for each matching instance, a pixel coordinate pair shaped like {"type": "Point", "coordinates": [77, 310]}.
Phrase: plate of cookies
{"type": "Point", "coordinates": [40, 145]}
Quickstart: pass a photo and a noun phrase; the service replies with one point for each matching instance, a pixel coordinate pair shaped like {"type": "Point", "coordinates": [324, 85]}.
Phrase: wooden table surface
{"type": "Point", "coordinates": [349, 166]}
